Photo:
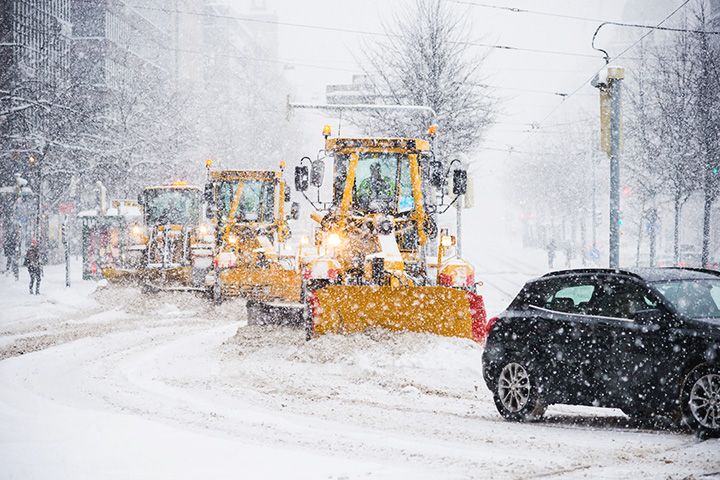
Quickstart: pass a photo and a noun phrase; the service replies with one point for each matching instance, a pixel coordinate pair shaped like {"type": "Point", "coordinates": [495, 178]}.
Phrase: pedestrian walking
{"type": "Point", "coordinates": [569, 254]}
{"type": "Point", "coordinates": [551, 249]}
{"type": "Point", "coordinates": [10, 248]}
{"type": "Point", "coordinates": [33, 263]}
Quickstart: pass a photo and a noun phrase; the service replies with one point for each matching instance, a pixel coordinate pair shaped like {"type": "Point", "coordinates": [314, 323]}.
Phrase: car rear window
{"type": "Point", "coordinates": [559, 295]}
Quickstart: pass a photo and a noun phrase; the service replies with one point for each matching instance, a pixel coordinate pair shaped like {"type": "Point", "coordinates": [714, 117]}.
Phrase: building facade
{"type": "Point", "coordinates": [34, 42]}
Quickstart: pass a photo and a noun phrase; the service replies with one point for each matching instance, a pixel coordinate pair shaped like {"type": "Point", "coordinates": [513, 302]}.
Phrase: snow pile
{"type": "Point", "coordinates": [358, 368]}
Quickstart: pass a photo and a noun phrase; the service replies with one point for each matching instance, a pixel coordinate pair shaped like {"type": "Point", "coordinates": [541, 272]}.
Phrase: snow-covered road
{"type": "Point", "coordinates": [112, 384]}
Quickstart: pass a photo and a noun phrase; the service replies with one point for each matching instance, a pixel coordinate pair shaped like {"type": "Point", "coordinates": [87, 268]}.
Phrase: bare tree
{"type": "Point", "coordinates": [673, 126]}
{"type": "Point", "coordinates": [425, 59]}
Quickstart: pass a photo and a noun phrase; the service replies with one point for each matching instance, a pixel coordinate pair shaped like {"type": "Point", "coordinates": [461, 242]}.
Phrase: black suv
{"type": "Point", "coordinates": [645, 341]}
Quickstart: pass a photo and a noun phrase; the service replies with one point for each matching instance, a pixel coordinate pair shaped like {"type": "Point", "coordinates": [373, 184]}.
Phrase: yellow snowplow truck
{"type": "Point", "coordinates": [248, 208]}
{"type": "Point", "coordinates": [370, 265]}
{"type": "Point", "coordinates": [173, 249]}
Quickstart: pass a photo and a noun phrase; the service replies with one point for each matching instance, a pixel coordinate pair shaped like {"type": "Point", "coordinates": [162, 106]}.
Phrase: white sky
{"type": "Point", "coordinates": [525, 80]}
{"type": "Point", "coordinates": [333, 52]}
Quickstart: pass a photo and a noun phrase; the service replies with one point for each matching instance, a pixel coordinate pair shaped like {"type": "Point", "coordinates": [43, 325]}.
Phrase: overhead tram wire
{"type": "Point", "coordinates": [523, 10]}
{"type": "Point", "coordinates": [580, 87]}
{"type": "Point", "coordinates": [585, 19]}
{"type": "Point", "coordinates": [354, 31]}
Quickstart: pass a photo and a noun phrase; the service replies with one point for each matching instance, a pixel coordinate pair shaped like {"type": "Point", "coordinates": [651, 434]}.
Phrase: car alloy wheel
{"type": "Point", "coordinates": [514, 387]}
{"type": "Point", "coordinates": [704, 401]}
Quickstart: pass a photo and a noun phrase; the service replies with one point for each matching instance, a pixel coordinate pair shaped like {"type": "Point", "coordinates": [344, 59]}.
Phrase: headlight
{"type": "Point", "coordinates": [333, 240]}
{"type": "Point", "coordinates": [203, 229]}
{"type": "Point", "coordinates": [226, 260]}
{"type": "Point", "coordinates": [232, 239]}
{"type": "Point", "coordinates": [386, 226]}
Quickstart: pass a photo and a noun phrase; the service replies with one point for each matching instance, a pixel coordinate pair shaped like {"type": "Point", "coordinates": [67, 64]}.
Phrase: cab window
{"type": "Point", "coordinates": [256, 202]}
{"type": "Point", "coordinates": [375, 181]}
{"type": "Point", "coordinates": [406, 201]}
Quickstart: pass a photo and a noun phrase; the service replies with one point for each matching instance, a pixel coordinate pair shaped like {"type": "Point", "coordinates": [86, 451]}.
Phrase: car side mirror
{"type": "Point", "coordinates": [210, 210]}
{"type": "Point", "coordinates": [651, 316]}
{"type": "Point", "coordinates": [301, 178]}
{"type": "Point", "coordinates": [459, 182]}
{"type": "Point", "coordinates": [287, 194]}
{"type": "Point", "coordinates": [436, 173]}
{"type": "Point", "coordinates": [317, 173]}
{"type": "Point", "coordinates": [294, 211]}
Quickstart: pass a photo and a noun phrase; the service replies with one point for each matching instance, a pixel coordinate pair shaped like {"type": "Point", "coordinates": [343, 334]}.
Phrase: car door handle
{"type": "Point", "coordinates": [649, 328]}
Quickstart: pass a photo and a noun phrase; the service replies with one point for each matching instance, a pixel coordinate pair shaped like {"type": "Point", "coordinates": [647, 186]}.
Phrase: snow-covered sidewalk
{"type": "Point", "coordinates": [113, 384]}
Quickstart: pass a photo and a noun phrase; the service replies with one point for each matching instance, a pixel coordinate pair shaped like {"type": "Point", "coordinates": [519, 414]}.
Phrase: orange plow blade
{"type": "Point", "coordinates": [440, 310]}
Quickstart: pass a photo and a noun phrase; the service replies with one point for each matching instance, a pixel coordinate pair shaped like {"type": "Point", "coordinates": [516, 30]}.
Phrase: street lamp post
{"type": "Point", "coordinates": [36, 165]}
{"type": "Point", "coordinates": [609, 82]}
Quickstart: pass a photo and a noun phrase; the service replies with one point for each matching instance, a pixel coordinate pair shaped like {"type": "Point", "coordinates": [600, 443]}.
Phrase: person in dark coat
{"type": "Point", "coordinates": [34, 266]}
{"type": "Point", "coordinates": [10, 248]}
{"type": "Point", "coordinates": [551, 249]}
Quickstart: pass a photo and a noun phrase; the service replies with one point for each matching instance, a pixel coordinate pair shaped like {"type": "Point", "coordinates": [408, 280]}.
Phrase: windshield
{"type": "Point", "coordinates": [255, 204]}
{"type": "Point", "coordinates": [382, 182]}
{"type": "Point", "coordinates": [693, 298]}
{"type": "Point", "coordinates": [172, 206]}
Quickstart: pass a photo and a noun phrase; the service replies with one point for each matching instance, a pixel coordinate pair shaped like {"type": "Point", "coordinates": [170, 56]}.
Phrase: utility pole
{"type": "Point", "coordinates": [33, 162]}
{"type": "Point", "coordinates": [63, 233]}
{"type": "Point", "coordinates": [15, 226]}
{"type": "Point", "coordinates": [458, 225]}
{"type": "Point", "coordinates": [609, 82]}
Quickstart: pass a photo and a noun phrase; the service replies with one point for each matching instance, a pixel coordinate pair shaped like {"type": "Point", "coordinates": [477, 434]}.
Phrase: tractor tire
{"type": "Point", "coordinates": [255, 313]}
{"type": "Point", "coordinates": [216, 292]}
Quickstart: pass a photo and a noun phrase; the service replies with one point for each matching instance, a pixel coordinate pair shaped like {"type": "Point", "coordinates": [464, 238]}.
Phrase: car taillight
{"type": "Point", "coordinates": [491, 324]}
{"type": "Point", "coordinates": [225, 260]}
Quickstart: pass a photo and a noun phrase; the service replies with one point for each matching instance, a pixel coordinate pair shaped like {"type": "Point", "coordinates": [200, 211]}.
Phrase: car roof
{"type": "Point", "coordinates": [646, 274]}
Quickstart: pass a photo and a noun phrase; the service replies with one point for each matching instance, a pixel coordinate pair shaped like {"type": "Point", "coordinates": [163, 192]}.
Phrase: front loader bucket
{"type": "Point", "coordinates": [158, 278]}
{"type": "Point", "coordinates": [261, 284]}
{"type": "Point", "coordinates": [440, 310]}
{"type": "Point", "coordinates": [121, 276]}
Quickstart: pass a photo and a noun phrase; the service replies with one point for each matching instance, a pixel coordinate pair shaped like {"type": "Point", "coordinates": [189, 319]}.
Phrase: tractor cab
{"type": "Point", "coordinates": [173, 215]}
{"type": "Point", "coordinates": [248, 210]}
{"type": "Point", "coordinates": [175, 204]}
{"type": "Point", "coordinates": [382, 180]}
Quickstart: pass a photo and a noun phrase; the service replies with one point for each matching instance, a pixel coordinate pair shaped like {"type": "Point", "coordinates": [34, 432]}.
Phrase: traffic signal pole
{"type": "Point", "coordinates": [609, 82]}
{"type": "Point", "coordinates": [615, 78]}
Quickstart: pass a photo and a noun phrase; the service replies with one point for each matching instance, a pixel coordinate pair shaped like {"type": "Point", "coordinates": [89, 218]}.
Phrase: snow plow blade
{"type": "Point", "coordinates": [440, 310]}
{"type": "Point", "coordinates": [258, 284]}
{"type": "Point", "coordinates": [158, 277]}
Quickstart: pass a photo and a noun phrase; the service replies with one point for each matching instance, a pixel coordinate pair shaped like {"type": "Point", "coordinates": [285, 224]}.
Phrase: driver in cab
{"type": "Point", "coordinates": [375, 192]}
